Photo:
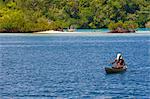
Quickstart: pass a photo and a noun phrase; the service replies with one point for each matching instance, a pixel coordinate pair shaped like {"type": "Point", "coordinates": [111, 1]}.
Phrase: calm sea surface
{"type": "Point", "coordinates": [44, 67]}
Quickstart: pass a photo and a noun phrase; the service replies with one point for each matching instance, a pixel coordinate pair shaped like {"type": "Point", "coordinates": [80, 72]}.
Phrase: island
{"type": "Point", "coordinates": [43, 15]}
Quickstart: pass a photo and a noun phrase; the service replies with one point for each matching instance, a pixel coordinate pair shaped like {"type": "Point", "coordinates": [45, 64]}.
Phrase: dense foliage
{"type": "Point", "coordinates": [127, 26]}
{"type": "Point", "coordinates": [38, 15]}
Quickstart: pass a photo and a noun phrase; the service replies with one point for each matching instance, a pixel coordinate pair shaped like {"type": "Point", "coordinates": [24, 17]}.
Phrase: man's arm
{"type": "Point", "coordinates": [114, 61]}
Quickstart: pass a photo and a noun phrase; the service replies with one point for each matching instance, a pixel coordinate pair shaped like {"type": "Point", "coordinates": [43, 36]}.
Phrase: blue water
{"type": "Point", "coordinates": [143, 29]}
{"type": "Point", "coordinates": [44, 67]}
{"type": "Point", "coordinates": [106, 30]}
{"type": "Point", "coordinates": [93, 30]}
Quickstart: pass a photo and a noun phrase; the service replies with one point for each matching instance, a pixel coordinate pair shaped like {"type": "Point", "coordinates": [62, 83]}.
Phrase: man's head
{"type": "Point", "coordinates": [119, 56]}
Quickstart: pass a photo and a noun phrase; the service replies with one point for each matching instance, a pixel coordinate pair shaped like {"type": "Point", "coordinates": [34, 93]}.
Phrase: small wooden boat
{"type": "Point", "coordinates": [111, 70]}
{"type": "Point", "coordinates": [71, 30]}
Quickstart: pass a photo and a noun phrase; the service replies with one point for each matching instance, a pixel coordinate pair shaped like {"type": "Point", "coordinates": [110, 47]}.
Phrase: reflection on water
{"type": "Point", "coordinates": [73, 67]}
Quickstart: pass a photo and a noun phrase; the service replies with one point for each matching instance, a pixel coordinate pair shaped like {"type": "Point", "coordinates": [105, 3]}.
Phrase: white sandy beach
{"type": "Point", "coordinates": [59, 33]}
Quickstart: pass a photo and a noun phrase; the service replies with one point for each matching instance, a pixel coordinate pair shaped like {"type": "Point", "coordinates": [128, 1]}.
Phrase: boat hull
{"type": "Point", "coordinates": [110, 70]}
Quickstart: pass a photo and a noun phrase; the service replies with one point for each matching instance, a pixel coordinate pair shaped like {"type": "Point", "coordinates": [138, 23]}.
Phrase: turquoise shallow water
{"type": "Point", "coordinates": [106, 30]}
{"type": "Point", "coordinates": [43, 67]}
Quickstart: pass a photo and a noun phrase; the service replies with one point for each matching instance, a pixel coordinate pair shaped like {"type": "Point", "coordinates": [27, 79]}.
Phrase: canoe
{"type": "Point", "coordinates": [110, 70]}
{"type": "Point", "coordinates": [71, 30]}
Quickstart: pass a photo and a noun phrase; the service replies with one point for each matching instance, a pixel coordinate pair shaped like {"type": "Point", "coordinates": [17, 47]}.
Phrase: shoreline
{"type": "Point", "coordinates": [59, 33]}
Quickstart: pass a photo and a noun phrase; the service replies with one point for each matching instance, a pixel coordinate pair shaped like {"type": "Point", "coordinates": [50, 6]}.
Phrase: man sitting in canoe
{"type": "Point", "coordinates": [119, 61]}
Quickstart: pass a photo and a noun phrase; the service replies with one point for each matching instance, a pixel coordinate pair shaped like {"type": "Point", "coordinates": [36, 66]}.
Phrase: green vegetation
{"type": "Point", "coordinates": [127, 26]}
{"type": "Point", "coordinates": [39, 15]}
{"type": "Point", "coordinates": [147, 24]}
